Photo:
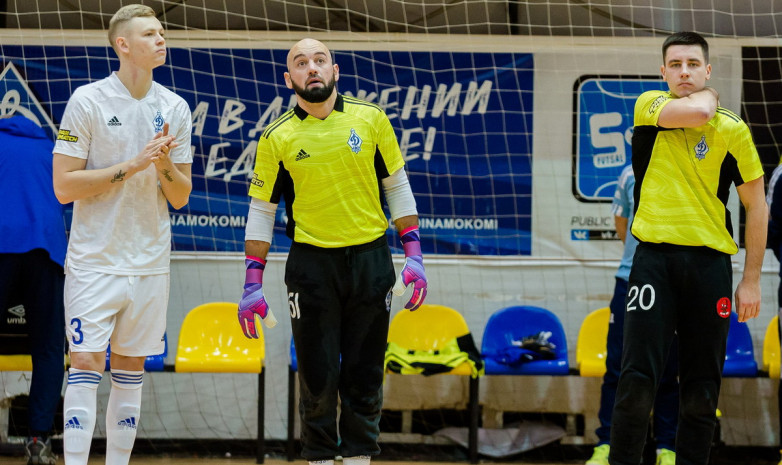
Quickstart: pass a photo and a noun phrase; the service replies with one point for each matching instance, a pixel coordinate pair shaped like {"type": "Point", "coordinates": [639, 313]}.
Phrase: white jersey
{"type": "Point", "coordinates": [125, 230]}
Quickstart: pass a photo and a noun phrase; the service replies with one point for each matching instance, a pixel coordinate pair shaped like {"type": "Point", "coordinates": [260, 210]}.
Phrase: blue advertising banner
{"type": "Point", "coordinates": [603, 123]}
{"type": "Point", "coordinates": [463, 120]}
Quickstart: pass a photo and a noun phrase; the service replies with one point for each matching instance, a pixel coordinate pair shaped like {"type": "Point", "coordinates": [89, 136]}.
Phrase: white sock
{"type": "Point", "coordinates": [79, 411]}
{"type": "Point", "coordinates": [357, 460]}
{"type": "Point", "coordinates": [122, 415]}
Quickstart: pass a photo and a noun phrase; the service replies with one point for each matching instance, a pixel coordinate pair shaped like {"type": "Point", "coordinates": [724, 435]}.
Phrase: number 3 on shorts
{"type": "Point", "coordinates": [76, 324]}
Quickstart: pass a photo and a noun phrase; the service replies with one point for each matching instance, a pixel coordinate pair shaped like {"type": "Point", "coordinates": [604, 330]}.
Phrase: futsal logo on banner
{"type": "Point", "coordinates": [603, 127]}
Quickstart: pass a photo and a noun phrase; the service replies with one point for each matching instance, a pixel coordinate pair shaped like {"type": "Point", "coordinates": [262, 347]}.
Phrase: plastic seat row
{"type": "Point", "coordinates": [739, 358]}
{"type": "Point", "coordinates": [200, 349]}
{"type": "Point", "coordinates": [433, 326]}
{"type": "Point", "coordinates": [519, 340]}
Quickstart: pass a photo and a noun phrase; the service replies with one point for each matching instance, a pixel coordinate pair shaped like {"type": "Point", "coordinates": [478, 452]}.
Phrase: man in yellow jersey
{"type": "Point", "coordinates": [687, 150]}
{"type": "Point", "coordinates": [328, 156]}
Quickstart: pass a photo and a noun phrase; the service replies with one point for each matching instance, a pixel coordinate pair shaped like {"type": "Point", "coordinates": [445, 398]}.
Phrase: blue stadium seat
{"type": "Point", "coordinates": [504, 332]}
{"type": "Point", "coordinates": [740, 354]}
{"type": "Point", "coordinates": [152, 363]}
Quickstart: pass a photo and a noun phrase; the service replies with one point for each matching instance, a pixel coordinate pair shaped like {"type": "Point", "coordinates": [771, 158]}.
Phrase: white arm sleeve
{"type": "Point", "coordinates": [399, 195]}
{"type": "Point", "coordinates": [260, 221]}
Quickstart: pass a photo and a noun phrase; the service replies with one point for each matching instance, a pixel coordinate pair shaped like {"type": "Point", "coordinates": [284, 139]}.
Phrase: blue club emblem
{"type": "Point", "coordinates": [354, 142]}
{"type": "Point", "coordinates": [701, 148]}
{"type": "Point", "coordinates": [158, 122]}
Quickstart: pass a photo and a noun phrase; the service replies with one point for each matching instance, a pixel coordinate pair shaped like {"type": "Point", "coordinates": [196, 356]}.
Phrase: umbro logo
{"type": "Point", "coordinates": [129, 422]}
{"type": "Point", "coordinates": [114, 121]}
{"type": "Point", "coordinates": [73, 423]}
{"type": "Point", "coordinates": [302, 155]}
{"type": "Point", "coordinates": [17, 316]}
{"type": "Point", "coordinates": [17, 310]}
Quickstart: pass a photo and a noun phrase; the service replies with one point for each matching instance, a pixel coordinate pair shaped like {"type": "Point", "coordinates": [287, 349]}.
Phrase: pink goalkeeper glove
{"type": "Point", "coordinates": [253, 302]}
{"type": "Point", "coordinates": [413, 271]}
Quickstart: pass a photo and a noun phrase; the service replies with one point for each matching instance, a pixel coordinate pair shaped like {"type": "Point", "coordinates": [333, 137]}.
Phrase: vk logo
{"type": "Point", "coordinates": [579, 235]}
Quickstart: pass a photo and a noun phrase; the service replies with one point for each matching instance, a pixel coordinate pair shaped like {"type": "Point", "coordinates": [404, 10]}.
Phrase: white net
{"type": "Point", "coordinates": [513, 117]}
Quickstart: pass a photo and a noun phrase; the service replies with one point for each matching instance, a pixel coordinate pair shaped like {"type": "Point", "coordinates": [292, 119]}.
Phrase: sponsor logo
{"type": "Point", "coordinates": [657, 102]}
{"type": "Point", "coordinates": [459, 223]}
{"type": "Point", "coordinates": [114, 121]}
{"type": "Point", "coordinates": [65, 134]}
{"type": "Point", "coordinates": [18, 316]}
{"type": "Point", "coordinates": [701, 149]}
{"type": "Point", "coordinates": [354, 141]}
{"type": "Point", "coordinates": [302, 155]}
{"type": "Point", "coordinates": [593, 235]}
{"type": "Point", "coordinates": [129, 422]}
{"type": "Point", "coordinates": [256, 181]}
{"type": "Point", "coordinates": [723, 307]}
{"type": "Point", "coordinates": [73, 423]}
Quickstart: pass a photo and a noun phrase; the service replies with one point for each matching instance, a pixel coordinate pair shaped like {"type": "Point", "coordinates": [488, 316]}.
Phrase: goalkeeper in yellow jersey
{"type": "Point", "coordinates": [687, 151]}
{"type": "Point", "coordinates": [328, 157]}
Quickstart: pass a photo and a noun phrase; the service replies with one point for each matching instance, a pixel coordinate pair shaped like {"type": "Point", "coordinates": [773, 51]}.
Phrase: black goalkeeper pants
{"type": "Point", "coordinates": [686, 291]}
{"type": "Point", "coordinates": [35, 281]}
{"type": "Point", "coordinates": [339, 300]}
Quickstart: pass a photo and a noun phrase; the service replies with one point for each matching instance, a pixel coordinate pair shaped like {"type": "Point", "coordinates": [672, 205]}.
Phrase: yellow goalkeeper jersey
{"type": "Point", "coordinates": [683, 176]}
{"type": "Point", "coordinates": [329, 172]}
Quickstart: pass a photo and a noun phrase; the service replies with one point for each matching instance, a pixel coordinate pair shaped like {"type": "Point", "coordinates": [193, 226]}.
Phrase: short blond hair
{"type": "Point", "coordinates": [125, 14]}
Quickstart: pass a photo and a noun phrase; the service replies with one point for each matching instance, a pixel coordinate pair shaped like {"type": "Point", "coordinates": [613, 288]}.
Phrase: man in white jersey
{"type": "Point", "coordinates": [122, 153]}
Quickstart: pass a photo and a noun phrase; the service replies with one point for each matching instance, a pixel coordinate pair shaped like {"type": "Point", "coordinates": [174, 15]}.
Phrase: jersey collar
{"type": "Point", "coordinates": [120, 88]}
{"type": "Point", "coordinates": [339, 105]}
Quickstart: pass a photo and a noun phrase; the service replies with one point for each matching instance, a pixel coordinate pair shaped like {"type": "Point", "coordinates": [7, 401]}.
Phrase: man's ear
{"type": "Point", "coordinates": [287, 77]}
{"type": "Point", "coordinates": [121, 44]}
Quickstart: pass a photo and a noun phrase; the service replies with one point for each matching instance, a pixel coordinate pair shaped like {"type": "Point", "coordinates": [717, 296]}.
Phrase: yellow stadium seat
{"type": "Point", "coordinates": [211, 341]}
{"type": "Point", "coordinates": [22, 362]}
{"type": "Point", "coordinates": [429, 329]}
{"type": "Point", "coordinates": [16, 363]}
{"type": "Point", "coordinates": [771, 357]}
{"type": "Point", "coordinates": [591, 346]}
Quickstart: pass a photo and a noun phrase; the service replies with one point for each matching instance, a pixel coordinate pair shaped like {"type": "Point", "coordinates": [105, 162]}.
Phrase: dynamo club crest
{"type": "Point", "coordinates": [354, 142]}
{"type": "Point", "coordinates": [158, 122]}
{"type": "Point", "coordinates": [701, 149]}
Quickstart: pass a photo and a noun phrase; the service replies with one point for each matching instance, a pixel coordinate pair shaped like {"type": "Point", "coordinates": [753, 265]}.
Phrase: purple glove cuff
{"type": "Point", "coordinates": [411, 241]}
{"type": "Point", "coordinates": [255, 267]}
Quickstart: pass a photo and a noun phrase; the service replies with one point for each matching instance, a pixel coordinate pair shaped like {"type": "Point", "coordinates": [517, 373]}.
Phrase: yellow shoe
{"type": "Point", "coordinates": [600, 455]}
{"type": "Point", "coordinates": [665, 457]}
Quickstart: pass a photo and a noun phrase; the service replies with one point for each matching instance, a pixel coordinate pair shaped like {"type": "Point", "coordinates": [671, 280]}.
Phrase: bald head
{"type": "Point", "coordinates": [307, 48]}
{"type": "Point", "coordinates": [312, 73]}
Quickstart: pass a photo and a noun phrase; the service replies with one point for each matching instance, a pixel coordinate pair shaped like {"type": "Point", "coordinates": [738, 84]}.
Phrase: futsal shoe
{"type": "Point", "coordinates": [600, 456]}
{"type": "Point", "coordinates": [39, 452]}
{"type": "Point", "coordinates": [665, 457]}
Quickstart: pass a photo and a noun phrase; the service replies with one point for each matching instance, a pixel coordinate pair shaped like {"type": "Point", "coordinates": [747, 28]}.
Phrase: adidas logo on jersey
{"type": "Point", "coordinates": [129, 422]}
{"type": "Point", "coordinates": [73, 423]}
{"type": "Point", "coordinates": [302, 155]}
{"type": "Point", "coordinates": [114, 121]}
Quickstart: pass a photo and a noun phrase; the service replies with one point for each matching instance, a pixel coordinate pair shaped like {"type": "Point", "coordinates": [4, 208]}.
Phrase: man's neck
{"type": "Point", "coordinates": [136, 80]}
{"type": "Point", "coordinates": [318, 110]}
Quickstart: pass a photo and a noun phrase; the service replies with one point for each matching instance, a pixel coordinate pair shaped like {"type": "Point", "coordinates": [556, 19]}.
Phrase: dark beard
{"type": "Point", "coordinates": [315, 94]}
